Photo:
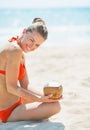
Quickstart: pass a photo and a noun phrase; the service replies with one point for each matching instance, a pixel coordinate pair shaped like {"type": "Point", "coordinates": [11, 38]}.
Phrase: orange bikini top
{"type": "Point", "coordinates": [21, 72]}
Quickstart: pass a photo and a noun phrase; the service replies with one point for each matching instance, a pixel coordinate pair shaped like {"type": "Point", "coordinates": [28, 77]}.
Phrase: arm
{"type": "Point", "coordinates": [12, 70]}
{"type": "Point", "coordinates": [24, 83]}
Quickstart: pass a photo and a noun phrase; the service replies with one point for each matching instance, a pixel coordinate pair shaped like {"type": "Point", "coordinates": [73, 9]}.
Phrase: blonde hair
{"type": "Point", "coordinates": [38, 25]}
{"type": "Point", "coordinates": [38, 20]}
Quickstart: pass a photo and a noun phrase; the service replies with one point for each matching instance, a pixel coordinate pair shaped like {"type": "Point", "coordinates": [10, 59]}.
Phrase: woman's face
{"type": "Point", "coordinates": [30, 41]}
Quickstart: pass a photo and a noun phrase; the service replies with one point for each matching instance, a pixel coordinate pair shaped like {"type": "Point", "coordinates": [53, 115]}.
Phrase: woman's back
{"type": "Point", "coordinates": [6, 98]}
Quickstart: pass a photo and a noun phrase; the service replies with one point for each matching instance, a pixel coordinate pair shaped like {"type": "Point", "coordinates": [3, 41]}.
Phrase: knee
{"type": "Point", "coordinates": [56, 107]}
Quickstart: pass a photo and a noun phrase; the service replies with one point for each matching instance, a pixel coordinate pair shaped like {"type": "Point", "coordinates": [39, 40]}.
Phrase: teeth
{"type": "Point", "coordinates": [28, 48]}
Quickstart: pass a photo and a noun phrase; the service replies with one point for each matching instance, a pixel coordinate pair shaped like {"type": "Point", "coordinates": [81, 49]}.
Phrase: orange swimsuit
{"type": "Point", "coordinates": [21, 72]}
{"type": "Point", "coordinates": [4, 114]}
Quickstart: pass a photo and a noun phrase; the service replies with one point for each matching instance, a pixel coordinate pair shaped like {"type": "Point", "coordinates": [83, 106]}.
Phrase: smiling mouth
{"type": "Point", "coordinates": [29, 47]}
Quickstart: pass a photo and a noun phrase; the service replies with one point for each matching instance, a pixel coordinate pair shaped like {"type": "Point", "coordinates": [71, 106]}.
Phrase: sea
{"type": "Point", "coordinates": [66, 25]}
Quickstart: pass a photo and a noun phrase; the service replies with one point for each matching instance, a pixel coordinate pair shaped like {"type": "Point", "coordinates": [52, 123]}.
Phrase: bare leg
{"type": "Point", "coordinates": [34, 111]}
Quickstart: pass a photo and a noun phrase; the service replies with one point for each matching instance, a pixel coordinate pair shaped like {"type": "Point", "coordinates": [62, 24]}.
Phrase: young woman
{"type": "Point", "coordinates": [17, 101]}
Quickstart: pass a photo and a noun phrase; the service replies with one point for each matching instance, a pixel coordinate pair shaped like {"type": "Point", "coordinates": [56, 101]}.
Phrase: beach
{"type": "Point", "coordinates": [70, 65]}
{"type": "Point", "coordinates": [64, 57]}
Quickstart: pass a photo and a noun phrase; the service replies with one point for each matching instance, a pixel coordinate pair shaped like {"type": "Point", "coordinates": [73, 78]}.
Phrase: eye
{"type": "Point", "coordinates": [30, 39]}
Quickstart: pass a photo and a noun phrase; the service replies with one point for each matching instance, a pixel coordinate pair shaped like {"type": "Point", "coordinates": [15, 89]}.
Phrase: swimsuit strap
{"type": "Point", "coordinates": [21, 72]}
{"type": "Point", "coordinates": [13, 39]}
{"type": "Point", "coordinates": [2, 72]}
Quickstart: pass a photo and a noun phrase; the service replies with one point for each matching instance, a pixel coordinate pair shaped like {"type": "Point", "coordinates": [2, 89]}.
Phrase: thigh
{"type": "Point", "coordinates": [23, 112]}
{"type": "Point", "coordinates": [33, 111]}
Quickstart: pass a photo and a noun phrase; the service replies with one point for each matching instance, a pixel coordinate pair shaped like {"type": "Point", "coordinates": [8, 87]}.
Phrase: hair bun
{"type": "Point", "coordinates": [35, 20]}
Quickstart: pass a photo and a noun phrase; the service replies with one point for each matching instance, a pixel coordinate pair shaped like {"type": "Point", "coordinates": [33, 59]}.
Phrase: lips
{"type": "Point", "coordinates": [28, 47]}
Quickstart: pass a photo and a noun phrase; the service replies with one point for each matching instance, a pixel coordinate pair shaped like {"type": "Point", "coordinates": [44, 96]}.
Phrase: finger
{"type": "Point", "coordinates": [50, 95]}
{"type": "Point", "coordinates": [61, 97]}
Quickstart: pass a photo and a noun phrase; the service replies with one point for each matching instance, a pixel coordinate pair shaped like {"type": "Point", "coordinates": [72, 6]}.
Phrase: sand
{"type": "Point", "coordinates": [69, 65]}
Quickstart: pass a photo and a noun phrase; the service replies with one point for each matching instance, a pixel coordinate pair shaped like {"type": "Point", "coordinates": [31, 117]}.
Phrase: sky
{"type": "Point", "coordinates": [43, 3]}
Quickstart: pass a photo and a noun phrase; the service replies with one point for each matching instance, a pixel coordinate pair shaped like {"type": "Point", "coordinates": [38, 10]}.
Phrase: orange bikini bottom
{"type": "Point", "coordinates": [4, 114]}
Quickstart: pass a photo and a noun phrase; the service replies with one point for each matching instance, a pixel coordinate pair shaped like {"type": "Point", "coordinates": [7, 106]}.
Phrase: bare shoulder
{"type": "Point", "coordinates": [11, 49]}
{"type": "Point", "coordinates": [14, 53]}
{"type": "Point", "coordinates": [14, 49]}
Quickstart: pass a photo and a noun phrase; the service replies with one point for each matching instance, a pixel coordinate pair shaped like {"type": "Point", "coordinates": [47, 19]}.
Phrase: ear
{"type": "Point", "coordinates": [24, 31]}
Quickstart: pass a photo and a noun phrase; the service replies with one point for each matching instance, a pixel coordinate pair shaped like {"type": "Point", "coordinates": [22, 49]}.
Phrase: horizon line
{"type": "Point", "coordinates": [47, 7]}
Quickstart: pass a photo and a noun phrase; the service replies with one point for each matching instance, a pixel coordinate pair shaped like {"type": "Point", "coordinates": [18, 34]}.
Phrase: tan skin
{"type": "Point", "coordinates": [36, 106]}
